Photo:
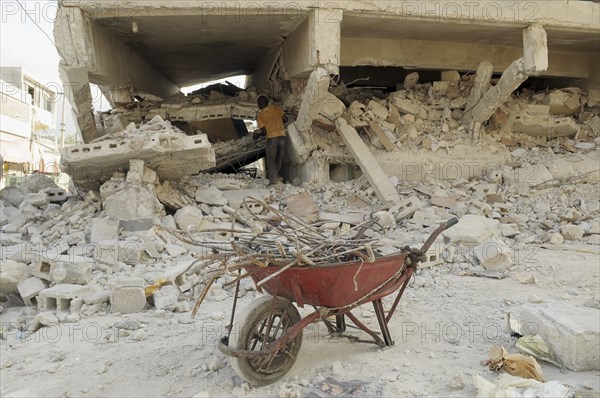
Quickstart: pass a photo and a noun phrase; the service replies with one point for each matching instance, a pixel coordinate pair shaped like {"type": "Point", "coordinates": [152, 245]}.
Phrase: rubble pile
{"type": "Point", "coordinates": [429, 117]}
{"type": "Point", "coordinates": [150, 234]}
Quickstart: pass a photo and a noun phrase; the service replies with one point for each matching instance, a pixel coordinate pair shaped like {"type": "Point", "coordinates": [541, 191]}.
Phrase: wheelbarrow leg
{"type": "Point", "coordinates": [387, 338]}
{"type": "Point", "coordinates": [340, 322]}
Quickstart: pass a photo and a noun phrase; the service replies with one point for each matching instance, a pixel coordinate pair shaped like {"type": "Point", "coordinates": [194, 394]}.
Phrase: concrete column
{"type": "Point", "coordinates": [92, 54]}
{"type": "Point", "coordinates": [314, 43]}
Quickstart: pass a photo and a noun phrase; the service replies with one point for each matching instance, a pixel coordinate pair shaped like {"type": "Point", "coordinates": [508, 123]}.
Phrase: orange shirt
{"type": "Point", "coordinates": [271, 118]}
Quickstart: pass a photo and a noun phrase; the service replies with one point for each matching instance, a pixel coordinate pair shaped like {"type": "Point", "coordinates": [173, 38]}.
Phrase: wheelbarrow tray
{"type": "Point", "coordinates": [333, 285]}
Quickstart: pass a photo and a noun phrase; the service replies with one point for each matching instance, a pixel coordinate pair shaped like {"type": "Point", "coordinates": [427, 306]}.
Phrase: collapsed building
{"type": "Point", "coordinates": [399, 116]}
{"type": "Point", "coordinates": [312, 59]}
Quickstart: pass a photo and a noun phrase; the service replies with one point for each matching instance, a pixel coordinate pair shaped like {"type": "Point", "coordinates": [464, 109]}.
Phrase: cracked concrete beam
{"type": "Point", "coordinates": [533, 62]}
{"type": "Point", "coordinates": [380, 182]}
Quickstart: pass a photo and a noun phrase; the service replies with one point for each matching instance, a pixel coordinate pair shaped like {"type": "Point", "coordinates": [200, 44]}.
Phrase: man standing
{"type": "Point", "coordinates": [271, 119]}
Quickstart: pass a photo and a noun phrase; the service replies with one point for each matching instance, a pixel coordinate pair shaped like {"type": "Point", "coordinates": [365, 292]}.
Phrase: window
{"type": "Point", "coordinates": [31, 92]}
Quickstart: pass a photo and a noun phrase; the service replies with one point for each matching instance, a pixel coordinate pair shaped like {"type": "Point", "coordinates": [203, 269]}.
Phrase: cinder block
{"type": "Point", "coordinates": [55, 194]}
{"type": "Point", "coordinates": [29, 289]}
{"type": "Point", "coordinates": [406, 208]}
{"type": "Point", "coordinates": [59, 297]}
{"type": "Point", "coordinates": [571, 332]}
{"type": "Point", "coordinates": [433, 256]}
{"type": "Point", "coordinates": [42, 269]}
{"type": "Point", "coordinates": [128, 300]}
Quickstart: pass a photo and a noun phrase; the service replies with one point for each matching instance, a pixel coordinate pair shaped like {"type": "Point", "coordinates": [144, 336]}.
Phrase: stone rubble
{"type": "Point", "coordinates": [99, 252]}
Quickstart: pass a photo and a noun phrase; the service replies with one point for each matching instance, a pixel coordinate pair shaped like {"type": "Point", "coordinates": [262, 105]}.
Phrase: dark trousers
{"type": "Point", "coordinates": [275, 155]}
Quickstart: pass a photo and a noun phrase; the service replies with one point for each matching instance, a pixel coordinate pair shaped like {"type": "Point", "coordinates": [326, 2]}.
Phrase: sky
{"type": "Point", "coordinates": [27, 40]}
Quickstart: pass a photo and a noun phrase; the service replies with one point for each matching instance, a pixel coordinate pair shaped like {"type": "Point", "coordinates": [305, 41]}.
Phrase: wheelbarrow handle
{"type": "Point", "coordinates": [437, 233]}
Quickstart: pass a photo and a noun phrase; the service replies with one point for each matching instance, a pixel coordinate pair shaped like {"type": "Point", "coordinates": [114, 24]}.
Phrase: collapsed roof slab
{"type": "Point", "coordinates": [171, 155]}
{"type": "Point", "coordinates": [157, 45]}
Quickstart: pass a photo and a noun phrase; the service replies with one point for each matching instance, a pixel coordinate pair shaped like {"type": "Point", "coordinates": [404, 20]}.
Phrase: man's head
{"type": "Point", "coordinates": [262, 102]}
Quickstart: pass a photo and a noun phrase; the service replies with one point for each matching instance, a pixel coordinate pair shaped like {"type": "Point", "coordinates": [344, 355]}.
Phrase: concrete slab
{"type": "Point", "coordinates": [571, 332]}
{"type": "Point", "coordinates": [303, 206]}
{"type": "Point", "coordinates": [171, 155]}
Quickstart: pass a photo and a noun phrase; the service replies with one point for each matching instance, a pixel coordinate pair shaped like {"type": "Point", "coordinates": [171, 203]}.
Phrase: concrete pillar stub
{"type": "Point", "coordinates": [325, 38]}
{"type": "Point", "coordinates": [535, 49]}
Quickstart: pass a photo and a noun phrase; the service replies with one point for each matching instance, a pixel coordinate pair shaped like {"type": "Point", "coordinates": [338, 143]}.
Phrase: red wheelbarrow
{"type": "Point", "coordinates": [267, 343]}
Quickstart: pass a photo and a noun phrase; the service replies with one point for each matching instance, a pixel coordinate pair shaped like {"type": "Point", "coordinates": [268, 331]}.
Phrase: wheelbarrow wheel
{"type": "Point", "coordinates": [256, 320]}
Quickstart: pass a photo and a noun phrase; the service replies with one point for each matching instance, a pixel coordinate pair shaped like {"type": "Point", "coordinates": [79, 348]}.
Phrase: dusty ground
{"type": "Point", "coordinates": [445, 325]}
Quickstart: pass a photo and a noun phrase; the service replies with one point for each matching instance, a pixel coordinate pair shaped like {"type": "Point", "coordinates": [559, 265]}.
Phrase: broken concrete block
{"type": "Point", "coordinates": [380, 182]}
{"type": "Point", "coordinates": [473, 229]}
{"type": "Point", "coordinates": [330, 107]}
{"type": "Point", "coordinates": [211, 196]}
{"type": "Point", "coordinates": [44, 319]}
{"type": "Point", "coordinates": [450, 76]}
{"type": "Point", "coordinates": [149, 176]}
{"type": "Point", "coordinates": [42, 269]}
{"type": "Point", "coordinates": [13, 195]}
{"type": "Point", "coordinates": [565, 102]}
{"type": "Point", "coordinates": [544, 125]}
{"type": "Point", "coordinates": [189, 216]}
{"type": "Point", "coordinates": [99, 297]}
{"type": "Point", "coordinates": [131, 203]}
{"type": "Point", "coordinates": [104, 229]}
{"type": "Point", "coordinates": [11, 274]}
{"type": "Point", "coordinates": [411, 79]}
{"type": "Point", "coordinates": [166, 297]}
{"type": "Point", "coordinates": [59, 297]}
{"type": "Point", "coordinates": [138, 224]}
{"type": "Point", "coordinates": [29, 289]}
{"type": "Point", "coordinates": [37, 199]}
{"type": "Point", "coordinates": [571, 332]}
{"type": "Point", "coordinates": [175, 250]}
{"type": "Point", "coordinates": [128, 300]}
{"type": "Point", "coordinates": [379, 111]}
{"type": "Point", "coordinates": [236, 197]}
{"type": "Point", "coordinates": [535, 49]}
{"type": "Point", "coordinates": [75, 273]}
{"type": "Point", "coordinates": [384, 138]}
{"type": "Point", "coordinates": [55, 194]}
{"type": "Point", "coordinates": [349, 218]}
{"type": "Point", "coordinates": [111, 252]}
{"type": "Point", "coordinates": [303, 206]}
{"type": "Point", "coordinates": [433, 257]}
{"type": "Point", "coordinates": [406, 106]}
{"type": "Point", "coordinates": [385, 219]}
{"type": "Point", "coordinates": [128, 296]}
{"type": "Point", "coordinates": [356, 109]}
{"type": "Point", "coordinates": [572, 232]}
{"type": "Point", "coordinates": [494, 255]}
{"type": "Point", "coordinates": [556, 239]}
{"type": "Point", "coordinates": [168, 222]}
{"type": "Point", "coordinates": [136, 171]}
{"type": "Point", "coordinates": [406, 208]}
